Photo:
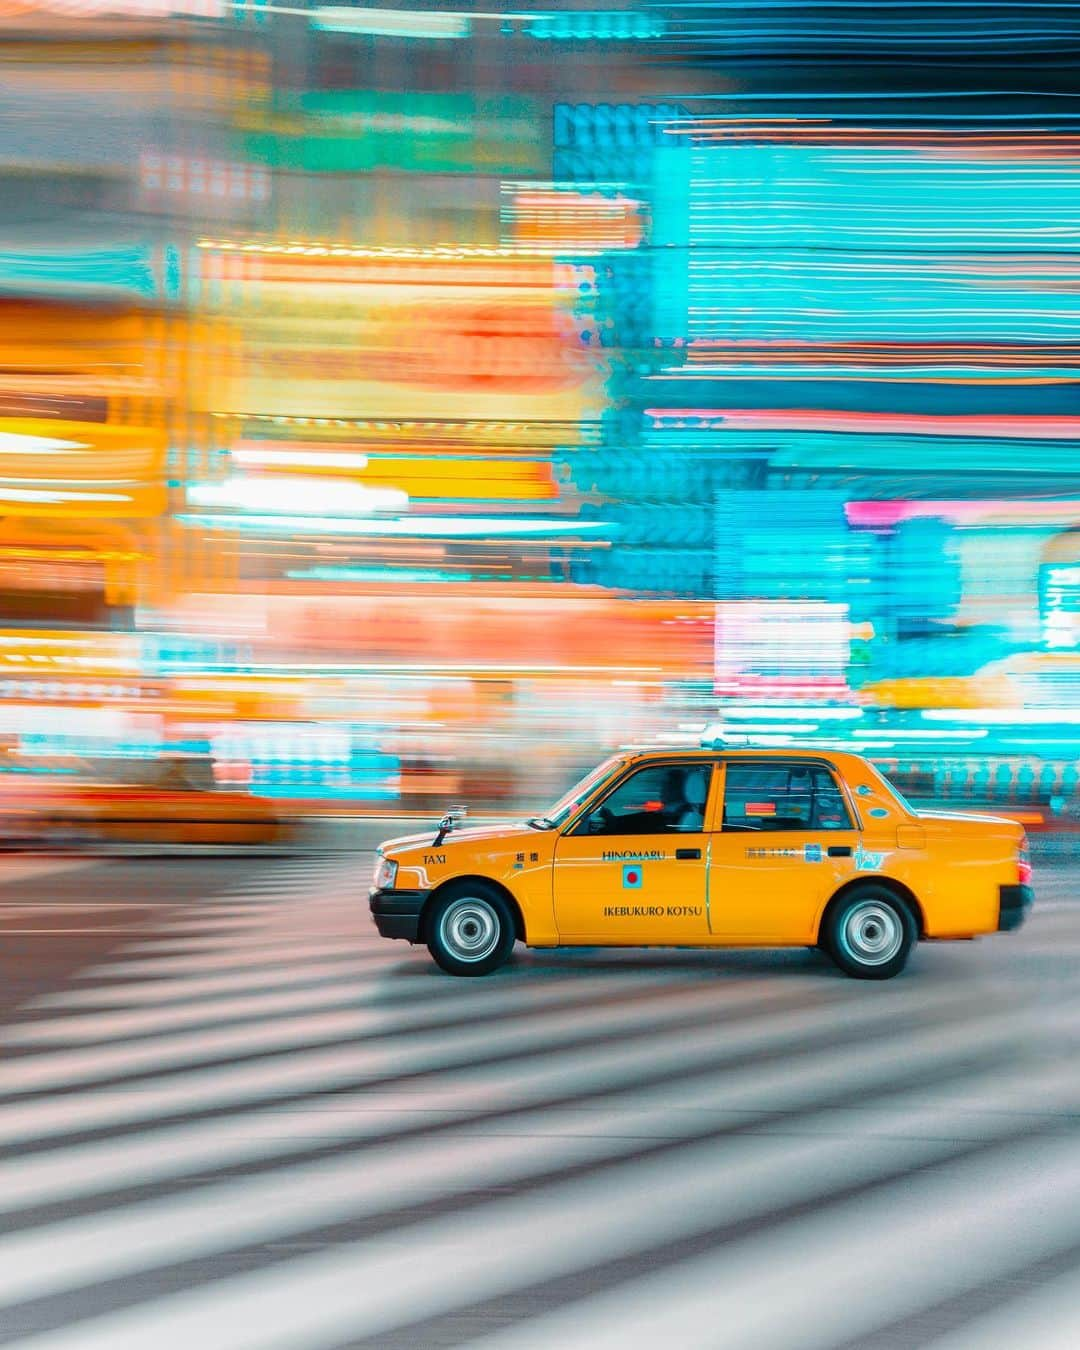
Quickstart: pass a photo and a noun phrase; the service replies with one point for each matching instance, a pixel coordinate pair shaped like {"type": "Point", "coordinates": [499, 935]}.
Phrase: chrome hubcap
{"type": "Point", "coordinates": [872, 933]}
{"type": "Point", "coordinates": [470, 929]}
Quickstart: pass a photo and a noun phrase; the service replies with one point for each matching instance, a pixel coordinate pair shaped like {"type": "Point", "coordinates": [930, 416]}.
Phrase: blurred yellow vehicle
{"type": "Point", "coordinates": [698, 848]}
{"type": "Point", "coordinates": [50, 814]}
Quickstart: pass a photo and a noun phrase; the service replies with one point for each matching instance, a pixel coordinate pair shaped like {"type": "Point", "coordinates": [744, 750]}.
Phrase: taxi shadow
{"type": "Point", "coordinates": [559, 963]}
{"type": "Point", "coordinates": [742, 961]}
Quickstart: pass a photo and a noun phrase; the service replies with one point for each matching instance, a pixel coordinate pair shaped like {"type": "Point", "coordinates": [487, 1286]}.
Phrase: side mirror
{"type": "Point", "coordinates": [450, 821]}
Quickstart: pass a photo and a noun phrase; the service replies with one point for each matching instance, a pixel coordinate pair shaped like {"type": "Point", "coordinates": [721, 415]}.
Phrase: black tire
{"type": "Point", "coordinates": [470, 930]}
{"type": "Point", "coordinates": [869, 933]}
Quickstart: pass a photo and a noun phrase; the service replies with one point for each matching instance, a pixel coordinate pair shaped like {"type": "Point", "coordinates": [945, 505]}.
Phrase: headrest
{"type": "Point", "coordinates": [696, 788]}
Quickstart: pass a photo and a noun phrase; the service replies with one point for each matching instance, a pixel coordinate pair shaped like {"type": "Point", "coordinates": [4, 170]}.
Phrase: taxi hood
{"type": "Point", "coordinates": [472, 834]}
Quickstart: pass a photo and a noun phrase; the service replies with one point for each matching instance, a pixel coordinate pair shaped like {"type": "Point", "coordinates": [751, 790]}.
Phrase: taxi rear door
{"type": "Point", "coordinates": [632, 870]}
{"type": "Point", "coordinates": [786, 839]}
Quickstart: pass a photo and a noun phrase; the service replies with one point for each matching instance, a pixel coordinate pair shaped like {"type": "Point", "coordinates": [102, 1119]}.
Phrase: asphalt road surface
{"type": "Point", "coordinates": [231, 1116]}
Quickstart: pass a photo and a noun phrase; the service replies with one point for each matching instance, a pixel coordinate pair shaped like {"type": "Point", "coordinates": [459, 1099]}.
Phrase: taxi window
{"type": "Point", "coordinates": [571, 800]}
{"type": "Point", "coordinates": [782, 796]}
{"type": "Point", "coordinates": [656, 799]}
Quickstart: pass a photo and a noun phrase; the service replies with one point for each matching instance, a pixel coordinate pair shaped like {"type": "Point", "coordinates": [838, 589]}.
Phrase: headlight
{"type": "Point", "coordinates": [385, 872]}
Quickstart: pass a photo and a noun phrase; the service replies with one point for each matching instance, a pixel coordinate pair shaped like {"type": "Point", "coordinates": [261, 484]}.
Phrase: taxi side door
{"type": "Point", "coordinates": [787, 838]}
{"type": "Point", "coordinates": [632, 870]}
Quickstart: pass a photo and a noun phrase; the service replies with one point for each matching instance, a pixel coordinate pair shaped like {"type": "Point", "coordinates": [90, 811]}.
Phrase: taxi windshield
{"type": "Point", "coordinates": [570, 801]}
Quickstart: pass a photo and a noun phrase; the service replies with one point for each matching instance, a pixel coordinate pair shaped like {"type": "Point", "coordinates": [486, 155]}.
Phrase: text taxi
{"type": "Point", "coordinates": [748, 848]}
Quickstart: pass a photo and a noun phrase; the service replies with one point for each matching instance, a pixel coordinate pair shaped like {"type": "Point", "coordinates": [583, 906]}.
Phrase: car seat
{"type": "Point", "coordinates": [695, 795]}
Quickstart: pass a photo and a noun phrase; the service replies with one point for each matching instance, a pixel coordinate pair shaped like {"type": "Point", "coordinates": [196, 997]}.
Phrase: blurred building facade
{"type": "Point", "coordinates": [402, 403]}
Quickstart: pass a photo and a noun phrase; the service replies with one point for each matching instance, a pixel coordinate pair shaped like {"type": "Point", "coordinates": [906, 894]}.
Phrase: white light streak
{"type": "Point", "coordinates": [16, 443]}
{"type": "Point", "coordinates": [320, 496]}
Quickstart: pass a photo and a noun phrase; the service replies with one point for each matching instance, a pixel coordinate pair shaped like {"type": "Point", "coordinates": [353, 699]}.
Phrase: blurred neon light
{"type": "Point", "coordinates": [918, 424]}
{"type": "Point", "coordinates": [270, 458]}
{"type": "Point", "coordinates": [884, 514]}
{"type": "Point", "coordinates": [383, 574]}
{"type": "Point", "coordinates": [435, 527]}
{"type": "Point", "coordinates": [15, 494]}
{"type": "Point", "coordinates": [135, 9]}
{"type": "Point", "coordinates": [999, 716]}
{"type": "Point", "coordinates": [723, 731]}
{"type": "Point", "coordinates": [800, 711]}
{"type": "Point", "coordinates": [929, 734]}
{"type": "Point", "coordinates": [15, 443]}
{"type": "Point", "coordinates": [321, 496]}
{"type": "Point", "coordinates": [407, 23]}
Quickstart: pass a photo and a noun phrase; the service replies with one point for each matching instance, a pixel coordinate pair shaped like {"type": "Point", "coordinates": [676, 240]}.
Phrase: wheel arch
{"type": "Point", "coordinates": [898, 889]}
{"type": "Point", "coordinates": [453, 883]}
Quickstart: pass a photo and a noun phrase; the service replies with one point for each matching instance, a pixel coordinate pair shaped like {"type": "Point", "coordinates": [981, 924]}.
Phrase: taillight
{"type": "Point", "coordinates": [1023, 863]}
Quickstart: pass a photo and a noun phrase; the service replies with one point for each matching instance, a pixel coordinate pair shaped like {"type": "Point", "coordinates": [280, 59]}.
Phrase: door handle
{"type": "Point", "coordinates": [689, 853]}
{"type": "Point", "coordinates": [839, 850]}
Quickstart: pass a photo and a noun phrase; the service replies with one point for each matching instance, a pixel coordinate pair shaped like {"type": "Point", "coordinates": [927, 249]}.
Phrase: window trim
{"type": "Point", "coordinates": [855, 820]}
{"type": "Point", "coordinates": [710, 762]}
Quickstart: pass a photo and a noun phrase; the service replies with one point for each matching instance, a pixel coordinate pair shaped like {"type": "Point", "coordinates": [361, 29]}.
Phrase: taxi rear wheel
{"type": "Point", "coordinates": [470, 930]}
{"type": "Point", "coordinates": [869, 933]}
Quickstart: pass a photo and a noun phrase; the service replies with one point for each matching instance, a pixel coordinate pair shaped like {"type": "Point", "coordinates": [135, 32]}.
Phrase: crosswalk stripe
{"type": "Point", "coordinates": [763, 1019]}
{"type": "Point", "coordinates": [818, 1278]}
{"type": "Point", "coordinates": [379, 1181]}
{"type": "Point", "coordinates": [753, 1090]}
{"type": "Point", "coordinates": [68, 1068]}
{"type": "Point", "coordinates": [714, 1150]}
{"type": "Point", "coordinates": [178, 960]}
{"type": "Point", "coordinates": [154, 992]}
{"type": "Point", "coordinates": [360, 1289]}
{"type": "Point", "coordinates": [432, 1005]}
{"type": "Point", "coordinates": [1046, 1318]}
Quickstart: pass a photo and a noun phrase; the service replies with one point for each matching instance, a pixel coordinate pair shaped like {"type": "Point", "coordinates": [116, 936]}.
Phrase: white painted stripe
{"type": "Point", "coordinates": [63, 906]}
{"type": "Point", "coordinates": [264, 931]}
{"type": "Point", "coordinates": [20, 869]}
{"type": "Point", "coordinates": [453, 1052]}
{"type": "Point", "coordinates": [833, 1276]}
{"type": "Point", "coordinates": [802, 1283]}
{"type": "Point", "coordinates": [153, 992]}
{"type": "Point", "coordinates": [398, 1175]}
{"type": "Point", "coordinates": [1047, 1318]}
{"type": "Point", "coordinates": [66, 1068]}
{"type": "Point", "coordinates": [207, 925]}
{"type": "Point", "coordinates": [234, 956]}
{"type": "Point", "coordinates": [41, 1072]}
{"type": "Point", "coordinates": [93, 1028]}
{"type": "Point", "coordinates": [437, 1000]}
{"type": "Point", "coordinates": [754, 1092]}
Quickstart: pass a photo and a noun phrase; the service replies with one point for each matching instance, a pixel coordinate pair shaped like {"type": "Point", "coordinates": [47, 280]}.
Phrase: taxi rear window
{"type": "Point", "coordinates": [782, 796]}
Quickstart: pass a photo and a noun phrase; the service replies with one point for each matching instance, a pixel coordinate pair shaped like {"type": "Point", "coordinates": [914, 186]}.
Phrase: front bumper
{"type": "Point", "coordinates": [1013, 906]}
{"type": "Point", "coordinates": [397, 913]}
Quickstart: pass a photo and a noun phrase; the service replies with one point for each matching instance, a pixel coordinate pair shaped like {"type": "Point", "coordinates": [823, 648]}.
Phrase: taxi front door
{"type": "Point", "coordinates": [633, 872]}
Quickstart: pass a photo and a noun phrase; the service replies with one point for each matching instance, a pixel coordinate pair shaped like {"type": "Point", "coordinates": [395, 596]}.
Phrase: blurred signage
{"type": "Point", "coordinates": [406, 23]}
{"type": "Point", "coordinates": [49, 655]}
{"type": "Point", "coordinates": [125, 271]}
{"type": "Point", "coordinates": [1059, 605]}
{"type": "Point", "coordinates": [796, 649]}
{"type": "Point", "coordinates": [356, 131]}
{"type": "Point", "coordinates": [125, 9]}
{"type": "Point", "coordinates": [81, 469]}
{"type": "Point", "coordinates": [574, 222]}
{"type": "Point", "coordinates": [437, 336]}
{"type": "Point", "coordinates": [583, 25]}
{"type": "Point", "coordinates": [210, 186]}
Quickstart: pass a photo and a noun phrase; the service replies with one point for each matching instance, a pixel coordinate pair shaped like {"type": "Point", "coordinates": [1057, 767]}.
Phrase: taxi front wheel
{"type": "Point", "coordinates": [869, 933]}
{"type": "Point", "coordinates": [471, 930]}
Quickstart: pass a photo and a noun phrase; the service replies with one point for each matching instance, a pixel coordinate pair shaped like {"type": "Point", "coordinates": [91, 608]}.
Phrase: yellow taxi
{"type": "Point", "coordinates": [699, 848]}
